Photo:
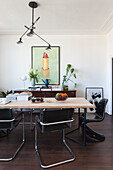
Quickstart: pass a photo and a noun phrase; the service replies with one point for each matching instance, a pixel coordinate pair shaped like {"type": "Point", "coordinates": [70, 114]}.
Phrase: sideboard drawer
{"type": "Point", "coordinates": [52, 93]}
{"type": "Point", "coordinates": [71, 94]}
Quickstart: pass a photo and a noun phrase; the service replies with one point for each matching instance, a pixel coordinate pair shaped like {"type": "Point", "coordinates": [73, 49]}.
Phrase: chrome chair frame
{"type": "Point", "coordinates": [23, 139]}
{"type": "Point", "coordinates": [32, 124]}
{"type": "Point", "coordinates": [63, 138]}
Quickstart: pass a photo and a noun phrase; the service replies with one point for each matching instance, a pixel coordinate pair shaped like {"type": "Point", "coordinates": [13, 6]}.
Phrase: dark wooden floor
{"type": "Point", "coordinates": [93, 156]}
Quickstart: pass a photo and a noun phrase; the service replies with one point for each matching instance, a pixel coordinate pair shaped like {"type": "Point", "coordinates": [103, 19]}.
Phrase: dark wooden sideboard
{"type": "Point", "coordinates": [51, 93]}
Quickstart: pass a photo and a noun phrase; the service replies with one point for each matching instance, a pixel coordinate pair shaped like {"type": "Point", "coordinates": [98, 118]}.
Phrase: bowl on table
{"type": "Point", "coordinates": [61, 96]}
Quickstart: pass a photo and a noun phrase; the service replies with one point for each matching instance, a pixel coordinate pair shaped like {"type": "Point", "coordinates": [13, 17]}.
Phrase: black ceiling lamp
{"type": "Point", "coordinates": [30, 30]}
{"type": "Point", "coordinates": [49, 47]}
{"type": "Point", "coordinates": [20, 41]}
{"type": "Point", "coordinates": [31, 33]}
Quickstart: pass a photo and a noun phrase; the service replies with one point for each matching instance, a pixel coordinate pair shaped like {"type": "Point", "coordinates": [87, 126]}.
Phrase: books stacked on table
{"type": "Point", "coordinates": [46, 88]}
{"type": "Point", "coordinates": [33, 88]}
{"type": "Point", "coordinates": [11, 97]}
{"type": "Point", "coordinates": [24, 96]}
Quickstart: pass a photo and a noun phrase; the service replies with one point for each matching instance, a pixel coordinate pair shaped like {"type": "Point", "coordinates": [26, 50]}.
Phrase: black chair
{"type": "Point", "coordinates": [52, 120]}
{"type": "Point", "coordinates": [98, 116]}
{"type": "Point", "coordinates": [8, 123]}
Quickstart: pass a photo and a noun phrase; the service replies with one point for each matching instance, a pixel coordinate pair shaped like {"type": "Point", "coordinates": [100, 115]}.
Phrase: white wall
{"type": "Point", "coordinates": [88, 54]}
{"type": "Point", "coordinates": [109, 68]}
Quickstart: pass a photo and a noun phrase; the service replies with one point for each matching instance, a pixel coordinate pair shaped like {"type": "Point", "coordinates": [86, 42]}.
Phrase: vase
{"type": "Point", "coordinates": [33, 81]}
{"type": "Point", "coordinates": [65, 86]}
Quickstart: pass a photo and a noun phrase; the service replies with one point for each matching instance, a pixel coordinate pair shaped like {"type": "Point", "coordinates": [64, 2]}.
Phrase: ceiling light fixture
{"type": "Point", "coordinates": [20, 41]}
{"type": "Point", "coordinates": [30, 30]}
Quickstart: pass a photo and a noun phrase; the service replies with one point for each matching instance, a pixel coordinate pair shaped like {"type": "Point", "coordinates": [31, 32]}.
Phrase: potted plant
{"type": "Point", "coordinates": [4, 94]}
{"type": "Point", "coordinates": [70, 72]}
{"type": "Point", "coordinates": [33, 74]}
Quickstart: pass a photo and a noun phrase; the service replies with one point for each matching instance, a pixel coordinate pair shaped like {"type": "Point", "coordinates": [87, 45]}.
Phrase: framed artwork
{"type": "Point", "coordinates": [47, 62]}
{"type": "Point", "coordinates": [94, 94]}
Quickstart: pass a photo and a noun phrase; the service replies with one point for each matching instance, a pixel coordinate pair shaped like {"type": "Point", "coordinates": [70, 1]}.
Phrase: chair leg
{"type": "Point", "coordinates": [31, 122]}
{"type": "Point", "coordinates": [93, 136]}
{"type": "Point", "coordinates": [23, 140]}
{"type": "Point", "coordinates": [55, 164]}
{"type": "Point", "coordinates": [67, 147]}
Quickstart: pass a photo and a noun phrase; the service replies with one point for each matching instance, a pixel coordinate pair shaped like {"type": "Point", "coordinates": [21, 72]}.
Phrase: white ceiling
{"type": "Point", "coordinates": [58, 16]}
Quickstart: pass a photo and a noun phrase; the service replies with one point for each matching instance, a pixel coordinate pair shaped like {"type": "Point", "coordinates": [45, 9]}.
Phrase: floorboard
{"type": "Point", "coordinates": [94, 156]}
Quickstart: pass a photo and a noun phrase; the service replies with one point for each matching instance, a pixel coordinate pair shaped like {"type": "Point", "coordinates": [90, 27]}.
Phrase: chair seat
{"type": "Point", "coordinates": [91, 117]}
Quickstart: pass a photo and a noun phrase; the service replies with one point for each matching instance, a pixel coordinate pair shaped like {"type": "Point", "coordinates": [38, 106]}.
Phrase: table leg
{"type": "Point", "coordinates": [84, 127]}
{"type": "Point", "coordinates": [84, 143]}
{"type": "Point", "coordinates": [78, 117]}
{"type": "Point", "coordinates": [78, 123]}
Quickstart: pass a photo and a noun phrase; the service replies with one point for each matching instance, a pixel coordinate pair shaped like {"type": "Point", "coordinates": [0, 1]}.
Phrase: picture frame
{"type": "Point", "coordinates": [93, 94]}
{"type": "Point", "coordinates": [47, 62]}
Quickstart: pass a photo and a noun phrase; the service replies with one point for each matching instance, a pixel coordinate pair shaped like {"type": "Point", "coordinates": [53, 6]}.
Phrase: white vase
{"type": "Point", "coordinates": [33, 81]}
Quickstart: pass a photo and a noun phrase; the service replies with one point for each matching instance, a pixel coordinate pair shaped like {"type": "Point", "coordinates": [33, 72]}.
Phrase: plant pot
{"type": "Point", "coordinates": [65, 87]}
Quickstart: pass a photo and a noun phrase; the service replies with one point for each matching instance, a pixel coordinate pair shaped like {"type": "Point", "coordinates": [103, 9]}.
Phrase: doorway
{"type": "Point", "coordinates": [112, 86]}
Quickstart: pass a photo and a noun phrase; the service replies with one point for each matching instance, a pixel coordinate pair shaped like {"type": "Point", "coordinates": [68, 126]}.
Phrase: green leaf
{"type": "Point", "coordinates": [75, 76]}
{"type": "Point", "coordinates": [72, 70]}
{"type": "Point", "coordinates": [68, 66]}
{"type": "Point", "coordinates": [75, 84]}
{"type": "Point", "coordinates": [64, 78]}
{"type": "Point", "coordinates": [36, 79]}
{"type": "Point", "coordinates": [3, 94]}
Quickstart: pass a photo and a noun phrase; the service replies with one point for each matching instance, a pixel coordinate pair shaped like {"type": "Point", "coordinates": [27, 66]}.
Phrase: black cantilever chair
{"type": "Point", "coordinates": [51, 120]}
{"type": "Point", "coordinates": [98, 116]}
{"type": "Point", "coordinates": [8, 123]}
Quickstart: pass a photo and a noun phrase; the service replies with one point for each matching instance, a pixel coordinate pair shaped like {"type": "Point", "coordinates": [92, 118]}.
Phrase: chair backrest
{"type": "Point", "coordinates": [100, 110]}
{"type": "Point", "coordinates": [6, 114]}
{"type": "Point", "coordinates": [57, 115]}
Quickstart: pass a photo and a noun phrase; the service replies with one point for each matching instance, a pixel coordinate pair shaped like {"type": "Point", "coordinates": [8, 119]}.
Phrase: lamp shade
{"type": "Point", "coordinates": [20, 41]}
{"type": "Point", "coordinates": [49, 47]}
{"type": "Point", "coordinates": [23, 78]}
{"type": "Point", "coordinates": [31, 33]}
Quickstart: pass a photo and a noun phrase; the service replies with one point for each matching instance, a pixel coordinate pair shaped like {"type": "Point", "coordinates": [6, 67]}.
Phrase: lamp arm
{"type": "Point", "coordinates": [24, 33]}
{"type": "Point", "coordinates": [30, 27]}
{"type": "Point", "coordinates": [35, 21]}
{"type": "Point", "coordinates": [41, 38]}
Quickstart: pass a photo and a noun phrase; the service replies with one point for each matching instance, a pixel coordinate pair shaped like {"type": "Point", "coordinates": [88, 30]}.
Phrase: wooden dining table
{"type": "Point", "coordinates": [50, 103]}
